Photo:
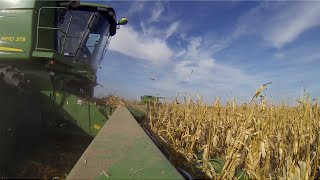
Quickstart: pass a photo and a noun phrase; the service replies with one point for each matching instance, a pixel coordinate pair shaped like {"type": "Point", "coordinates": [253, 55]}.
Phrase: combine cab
{"type": "Point", "coordinates": [49, 55]}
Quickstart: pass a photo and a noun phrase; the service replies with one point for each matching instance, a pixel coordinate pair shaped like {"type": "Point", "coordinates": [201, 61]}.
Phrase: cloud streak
{"type": "Point", "coordinates": [156, 13]}
{"type": "Point", "coordinates": [278, 23]}
{"type": "Point", "coordinates": [136, 7]}
{"type": "Point", "coordinates": [287, 26]}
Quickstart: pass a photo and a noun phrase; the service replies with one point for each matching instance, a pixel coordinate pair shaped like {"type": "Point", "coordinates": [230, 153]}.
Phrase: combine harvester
{"type": "Point", "coordinates": [49, 55]}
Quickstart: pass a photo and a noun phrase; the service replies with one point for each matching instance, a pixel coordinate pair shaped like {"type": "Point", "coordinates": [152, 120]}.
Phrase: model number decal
{"type": "Point", "coordinates": [13, 39]}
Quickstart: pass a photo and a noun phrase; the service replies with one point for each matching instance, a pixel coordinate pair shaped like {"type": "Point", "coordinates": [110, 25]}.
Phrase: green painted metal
{"type": "Point", "coordinates": [22, 4]}
{"type": "Point", "coordinates": [150, 99]}
{"type": "Point", "coordinates": [43, 54]}
{"type": "Point", "coordinates": [63, 82]}
{"type": "Point", "coordinates": [218, 164]}
{"type": "Point", "coordinates": [123, 21]}
{"type": "Point", "coordinates": [122, 150]}
{"type": "Point", "coordinates": [27, 42]}
{"type": "Point", "coordinates": [136, 113]}
{"type": "Point", "coordinates": [85, 114]}
{"type": "Point", "coordinates": [16, 32]}
{"type": "Point", "coordinates": [28, 31]}
{"type": "Point", "coordinates": [18, 22]}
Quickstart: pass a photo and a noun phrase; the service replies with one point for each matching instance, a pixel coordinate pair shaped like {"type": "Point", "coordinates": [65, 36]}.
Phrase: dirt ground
{"type": "Point", "coordinates": [51, 156]}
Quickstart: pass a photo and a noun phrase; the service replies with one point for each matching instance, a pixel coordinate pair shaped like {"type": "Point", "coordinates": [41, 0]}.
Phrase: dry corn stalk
{"type": "Point", "coordinates": [111, 100]}
{"type": "Point", "coordinates": [268, 141]}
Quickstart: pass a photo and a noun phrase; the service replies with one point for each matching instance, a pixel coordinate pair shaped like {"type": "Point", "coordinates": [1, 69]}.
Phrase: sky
{"type": "Point", "coordinates": [213, 48]}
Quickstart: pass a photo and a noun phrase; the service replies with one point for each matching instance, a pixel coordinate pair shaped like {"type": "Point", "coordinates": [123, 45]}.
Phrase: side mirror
{"type": "Point", "coordinates": [122, 21]}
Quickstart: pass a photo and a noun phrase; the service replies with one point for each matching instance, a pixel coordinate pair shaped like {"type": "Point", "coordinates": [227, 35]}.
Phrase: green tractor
{"type": "Point", "coordinates": [147, 99]}
{"type": "Point", "coordinates": [50, 52]}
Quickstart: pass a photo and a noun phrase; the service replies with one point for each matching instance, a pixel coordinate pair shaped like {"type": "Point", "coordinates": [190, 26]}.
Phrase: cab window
{"type": "Point", "coordinates": [87, 36]}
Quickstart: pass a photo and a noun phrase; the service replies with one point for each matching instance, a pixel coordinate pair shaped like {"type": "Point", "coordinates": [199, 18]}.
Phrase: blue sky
{"type": "Point", "coordinates": [215, 48]}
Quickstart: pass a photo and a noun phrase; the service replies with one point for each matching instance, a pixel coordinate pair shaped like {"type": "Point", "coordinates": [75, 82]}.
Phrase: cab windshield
{"type": "Point", "coordinates": [87, 36]}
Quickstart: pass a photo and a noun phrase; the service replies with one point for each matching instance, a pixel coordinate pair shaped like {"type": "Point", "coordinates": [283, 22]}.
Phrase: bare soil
{"type": "Point", "coordinates": [51, 156]}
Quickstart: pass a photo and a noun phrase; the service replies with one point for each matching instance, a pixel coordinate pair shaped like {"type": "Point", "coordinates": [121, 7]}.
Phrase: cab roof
{"type": "Point", "coordinates": [104, 9]}
{"type": "Point", "coordinates": [86, 4]}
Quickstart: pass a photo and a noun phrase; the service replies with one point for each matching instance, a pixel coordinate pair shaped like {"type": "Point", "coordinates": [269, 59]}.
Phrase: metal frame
{"type": "Point", "coordinates": [85, 34]}
{"type": "Point", "coordinates": [53, 28]}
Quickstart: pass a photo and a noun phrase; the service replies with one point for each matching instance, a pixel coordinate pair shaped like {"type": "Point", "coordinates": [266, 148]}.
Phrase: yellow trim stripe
{"type": "Point", "coordinates": [9, 49]}
{"type": "Point", "coordinates": [96, 127]}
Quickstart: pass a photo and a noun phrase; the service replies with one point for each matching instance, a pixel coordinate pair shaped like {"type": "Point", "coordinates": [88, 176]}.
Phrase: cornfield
{"type": "Point", "coordinates": [266, 141]}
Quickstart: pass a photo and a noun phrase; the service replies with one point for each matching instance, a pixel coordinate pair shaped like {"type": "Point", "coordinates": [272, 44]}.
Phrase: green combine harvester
{"type": "Point", "coordinates": [50, 52]}
{"type": "Point", "coordinates": [49, 55]}
{"type": "Point", "coordinates": [146, 99]}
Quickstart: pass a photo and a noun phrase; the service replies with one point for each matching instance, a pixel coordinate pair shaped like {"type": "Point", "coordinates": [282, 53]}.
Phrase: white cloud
{"type": "Point", "coordinates": [187, 69]}
{"type": "Point", "coordinates": [298, 56]}
{"type": "Point", "coordinates": [172, 29]}
{"type": "Point", "coordinates": [156, 13]}
{"type": "Point", "coordinates": [196, 70]}
{"type": "Point", "coordinates": [278, 23]}
{"type": "Point", "coordinates": [150, 44]}
{"type": "Point", "coordinates": [287, 25]}
{"type": "Point", "coordinates": [192, 69]}
{"type": "Point", "coordinates": [194, 62]}
{"type": "Point", "coordinates": [155, 31]}
{"type": "Point", "coordinates": [140, 46]}
{"type": "Point", "coordinates": [136, 6]}
{"type": "Point", "coordinates": [195, 67]}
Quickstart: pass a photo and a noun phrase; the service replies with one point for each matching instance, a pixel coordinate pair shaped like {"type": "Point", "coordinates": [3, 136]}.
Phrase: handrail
{"type": "Point", "coordinates": [52, 28]}
{"type": "Point", "coordinates": [85, 34]}
{"type": "Point", "coordinates": [64, 40]}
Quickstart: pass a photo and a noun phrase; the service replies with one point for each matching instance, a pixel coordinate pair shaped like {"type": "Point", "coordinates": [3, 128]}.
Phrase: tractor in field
{"type": "Point", "coordinates": [148, 99]}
